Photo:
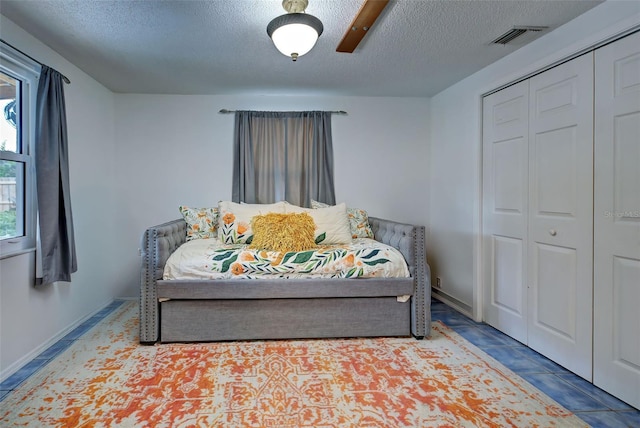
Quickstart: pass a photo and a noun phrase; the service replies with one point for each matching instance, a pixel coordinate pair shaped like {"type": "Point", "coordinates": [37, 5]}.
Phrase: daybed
{"type": "Point", "coordinates": [194, 310]}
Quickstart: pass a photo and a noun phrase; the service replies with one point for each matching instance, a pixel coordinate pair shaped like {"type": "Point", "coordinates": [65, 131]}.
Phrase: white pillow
{"type": "Point", "coordinates": [358, 220]}
{"type": "Point", "coordinates": [234, 224]}
{"type": "Point", "coordinates": [332, 223]}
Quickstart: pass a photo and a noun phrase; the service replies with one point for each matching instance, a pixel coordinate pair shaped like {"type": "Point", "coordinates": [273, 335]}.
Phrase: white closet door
{"type": "Point", "coordinates": [505, 142]}
{"type": "Point", "coordinates": [561, 214]}
{"type": "Point", "coordinates": [617, 220]}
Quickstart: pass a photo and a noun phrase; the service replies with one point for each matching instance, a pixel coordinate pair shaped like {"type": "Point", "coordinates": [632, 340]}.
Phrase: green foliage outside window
{"type": "Point", "coordinates": [7, 218]}
{"type": "Point", "coordinates": [7, 169]}
{"type": "Point", "coordinates": [7, 223]}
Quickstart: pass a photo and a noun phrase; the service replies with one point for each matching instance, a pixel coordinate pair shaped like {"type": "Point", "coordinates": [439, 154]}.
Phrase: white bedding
{"type": "Point", "coordinates": [210, 259]}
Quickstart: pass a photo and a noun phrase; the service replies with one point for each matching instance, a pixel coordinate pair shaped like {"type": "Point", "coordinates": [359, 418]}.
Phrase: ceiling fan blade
{"type": "Point", "coordinates": [366, 16]}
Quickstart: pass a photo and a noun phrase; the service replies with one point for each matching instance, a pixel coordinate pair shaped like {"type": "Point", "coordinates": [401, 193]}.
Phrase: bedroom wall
{"type": "Point", "coordinates": [30, 318]}
{"type": "Point", "coordinates": [455, 169]}
{"type": "Point", "coordinates": [174, 150]}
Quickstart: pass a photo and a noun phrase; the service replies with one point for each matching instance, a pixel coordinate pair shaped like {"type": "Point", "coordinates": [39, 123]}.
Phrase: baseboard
{"type": "Point", "coordinates": [453, 302]}
{"type": "Point", "coordinates": [27, 358]}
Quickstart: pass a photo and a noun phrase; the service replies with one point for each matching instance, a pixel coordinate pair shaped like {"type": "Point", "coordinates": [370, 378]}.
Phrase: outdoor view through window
{"type": "Point", "coordinates": [12, 163]}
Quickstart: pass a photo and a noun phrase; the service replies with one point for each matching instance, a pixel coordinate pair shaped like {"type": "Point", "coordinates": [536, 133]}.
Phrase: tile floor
{"type": "Point", "coordinates": [591, 404]}
{"type": "Point", "coordinates": [594, 406]}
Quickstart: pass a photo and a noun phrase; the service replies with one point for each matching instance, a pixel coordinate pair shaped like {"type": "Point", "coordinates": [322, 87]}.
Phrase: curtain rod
{"type": "Point", "coordinates": [225, 111]}
{"type": "Point", "coordinates": [65, 78]}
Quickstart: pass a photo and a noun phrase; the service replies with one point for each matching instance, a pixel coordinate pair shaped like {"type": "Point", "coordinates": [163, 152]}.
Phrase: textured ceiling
{"type": "Point", "coordinates": [416, 48]}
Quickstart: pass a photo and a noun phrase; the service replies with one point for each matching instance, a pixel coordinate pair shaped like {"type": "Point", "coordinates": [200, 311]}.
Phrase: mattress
{"type": "Point", "coordinates": [211, 259]}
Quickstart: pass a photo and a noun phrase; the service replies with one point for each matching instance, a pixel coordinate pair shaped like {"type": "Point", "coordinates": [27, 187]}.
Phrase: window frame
{"type": "Point", "coordinates": [27, 71]}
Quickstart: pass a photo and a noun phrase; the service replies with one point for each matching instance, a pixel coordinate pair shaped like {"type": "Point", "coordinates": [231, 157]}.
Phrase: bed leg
{"type": "Point", "coordinates": [419, 337]}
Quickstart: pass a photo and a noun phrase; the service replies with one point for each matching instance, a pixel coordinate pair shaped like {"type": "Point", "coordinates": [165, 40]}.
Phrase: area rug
{"type": "Point", "coordinates": [106, 379]}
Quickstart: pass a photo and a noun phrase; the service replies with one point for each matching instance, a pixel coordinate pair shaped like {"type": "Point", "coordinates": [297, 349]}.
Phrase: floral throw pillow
{"type": "Point", "coordinates": [358, 220]}
{"type": "Point", "coordinates": [234, 221]}
{"type": "Point", "coordinates": [202, 223]}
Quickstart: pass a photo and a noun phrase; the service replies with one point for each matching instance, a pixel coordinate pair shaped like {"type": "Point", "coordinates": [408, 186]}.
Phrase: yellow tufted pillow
{"type": "Point", "coordinates": [283, 232]}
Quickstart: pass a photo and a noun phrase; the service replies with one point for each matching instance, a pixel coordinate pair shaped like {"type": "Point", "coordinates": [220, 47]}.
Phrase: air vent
{"type": "Point", "coordinates": [515, 32]}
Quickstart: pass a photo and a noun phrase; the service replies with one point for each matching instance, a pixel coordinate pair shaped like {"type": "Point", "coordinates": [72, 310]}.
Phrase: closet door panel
{"type": "Point", "coordinates": [626, 273]}
{"type": "Point", "coordinates": [617, 220]}
{"type": "Point", "coordinates": [553, 267]}
{"type": "Point", "coordinates": [507, 275]}
{"type": "Point", "coordinates": [555, 172]}
{"type": "Point", "coordinates": [505, 193]}
{"type": "Point", "coordinates": [561, 214]}
{"type": "Point", "coordinates": [626, 167]}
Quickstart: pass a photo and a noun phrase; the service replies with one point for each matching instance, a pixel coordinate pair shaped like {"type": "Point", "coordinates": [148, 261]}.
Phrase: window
{"type": "Point", "coordinates": [283, 156]}
{"type": "Point", "coordinates": [18, 77]}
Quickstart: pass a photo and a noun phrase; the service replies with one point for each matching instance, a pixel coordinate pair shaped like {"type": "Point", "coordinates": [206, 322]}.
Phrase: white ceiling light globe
{"type": "Point", "coordinates": [294, 34]}
{"type": "Point", "coordinates": [295, 39]}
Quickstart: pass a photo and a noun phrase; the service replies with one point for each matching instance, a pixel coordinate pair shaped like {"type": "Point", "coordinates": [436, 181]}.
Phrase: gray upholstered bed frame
{"type": "Point", "coordinates": [205, 310]}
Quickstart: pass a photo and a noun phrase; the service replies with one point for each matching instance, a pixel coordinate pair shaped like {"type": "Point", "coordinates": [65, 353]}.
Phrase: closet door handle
{"type": "Point", "coordinates": [553, 232]}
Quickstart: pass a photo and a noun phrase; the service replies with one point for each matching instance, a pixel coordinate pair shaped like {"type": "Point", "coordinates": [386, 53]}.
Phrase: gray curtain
{"type": "Point", "coordinates": [283, 156]}
{"type": "Point", "coordinates": [56, 252]}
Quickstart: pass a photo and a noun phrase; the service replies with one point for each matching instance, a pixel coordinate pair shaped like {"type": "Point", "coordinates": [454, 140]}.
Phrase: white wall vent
{"type": "Point", "coordinates": [516, 32]}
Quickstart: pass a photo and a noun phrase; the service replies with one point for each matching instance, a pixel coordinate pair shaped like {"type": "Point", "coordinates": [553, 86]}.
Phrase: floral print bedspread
{"type": "Point", "coordinates": [211, 259]}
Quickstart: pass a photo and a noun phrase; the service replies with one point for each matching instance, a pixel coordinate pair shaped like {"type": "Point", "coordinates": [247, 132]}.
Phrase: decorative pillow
{"type": "Point", "coordinates": [234, 224]}
{"type": "Point", "coordinates": [332, 223]}
{"type": "Point", "coordinates": [283, 232]}
{"type": "Point", "coordinates": [358, 220]}
{"type": "Point", "coordinates": [202, 223]}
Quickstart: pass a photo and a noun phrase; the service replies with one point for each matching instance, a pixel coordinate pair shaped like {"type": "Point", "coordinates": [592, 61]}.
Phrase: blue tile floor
{"type": "Point", "coordinates": [593, 405]}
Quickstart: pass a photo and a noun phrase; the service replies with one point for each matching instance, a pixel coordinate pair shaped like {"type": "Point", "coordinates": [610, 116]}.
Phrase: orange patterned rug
{"type": "Point", "coordinates": [106, 379]}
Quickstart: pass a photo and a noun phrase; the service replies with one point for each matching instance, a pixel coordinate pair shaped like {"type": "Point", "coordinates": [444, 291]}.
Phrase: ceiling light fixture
{"type": "Point", "coordinates": [295, 33]}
